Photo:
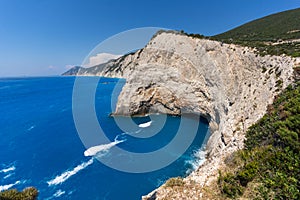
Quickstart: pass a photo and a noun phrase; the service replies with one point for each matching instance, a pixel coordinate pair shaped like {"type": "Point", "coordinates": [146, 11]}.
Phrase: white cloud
{"type": "Point", "coordinates": [101, 58]}
{"type": "Point", "coordinates": [51, 67]}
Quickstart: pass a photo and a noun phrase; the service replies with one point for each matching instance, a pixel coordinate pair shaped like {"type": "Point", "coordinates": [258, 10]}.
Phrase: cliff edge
{"type": "Point", "coordinates": [227, 84]}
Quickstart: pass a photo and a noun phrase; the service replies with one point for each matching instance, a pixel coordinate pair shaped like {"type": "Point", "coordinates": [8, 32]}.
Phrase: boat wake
{"type": "Point", "coordinates": [67, 174]}
{"type": "Point", "coordinates": [58, 193]}
{"type": "Point", "coordinates": [102, 149]}
{"type": "Point", "coordinates": [99, 150]}
{"type": "Point", "coordinates": [8, 175]}
{"type": "Point", "coordinates": [30, 128]}
{"type": "Point", "coordinates": [6, 187]}
{"type": "Point", "coordinates": [8, 169]}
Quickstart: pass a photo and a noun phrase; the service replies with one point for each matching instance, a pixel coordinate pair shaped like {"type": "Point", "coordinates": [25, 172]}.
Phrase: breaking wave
{"type": "Point", "coordinates": [198, 158]}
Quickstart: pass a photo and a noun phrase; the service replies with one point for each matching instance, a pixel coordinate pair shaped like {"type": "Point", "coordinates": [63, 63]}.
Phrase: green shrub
{"type": "Point", "coordinates": [13, 194]}
{"type": "Point", "coordinates": [230, 187]}
{"type": "Point", "coordinates": [172, 182]}
{"type": "Point", "coordinates": [272, 153]}
{"type": "Point", "coordinates": [248, 173]}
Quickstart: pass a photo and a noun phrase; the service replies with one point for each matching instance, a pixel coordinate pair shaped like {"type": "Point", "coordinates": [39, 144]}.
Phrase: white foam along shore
{"type": "Point", "coordinates": [101, 149]}
{"type": "Point", "coordinates": [8, 169]}
{"type": "Point", "coordinates": [198, 159]}
{"type": "Point", "coordinates": [6, 187]}
{"type": "Point", "coordinates": [144, 125]}
{"type": "Point", "coordinates": [67, 174]}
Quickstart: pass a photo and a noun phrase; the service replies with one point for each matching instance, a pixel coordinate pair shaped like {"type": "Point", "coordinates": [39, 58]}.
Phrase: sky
{"type": "Point", "coordinates": [46, 37]}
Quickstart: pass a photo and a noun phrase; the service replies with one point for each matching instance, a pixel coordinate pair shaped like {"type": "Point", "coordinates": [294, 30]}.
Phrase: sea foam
{"type": "Point", "coordinates": [198, 158]}
{"type": "Point", "coordinates": [144, 125]}
{"type": "Point", "coordinates": [6, 187]}
{"type": "Point", "coordinates": [66, 175]}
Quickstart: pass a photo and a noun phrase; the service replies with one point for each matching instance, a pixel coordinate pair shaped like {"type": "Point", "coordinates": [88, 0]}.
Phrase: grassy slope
{"type": "Point", "coordinates": [273, 28]}
{"type": "Point", "coordinates": [270, 28]}
{"type": "Point", "coordinates": [269, 166]}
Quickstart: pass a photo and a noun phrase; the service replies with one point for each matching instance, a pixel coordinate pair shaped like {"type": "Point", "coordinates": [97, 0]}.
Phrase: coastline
{"type": "Point", "coordinates": [229, 84]}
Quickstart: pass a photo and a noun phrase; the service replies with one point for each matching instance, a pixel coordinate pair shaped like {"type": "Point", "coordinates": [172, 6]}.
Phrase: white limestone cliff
{"type": "Point", "coordinates": [229, 85]}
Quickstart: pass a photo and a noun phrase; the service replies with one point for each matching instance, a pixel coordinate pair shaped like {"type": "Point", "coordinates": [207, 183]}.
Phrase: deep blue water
{"type": "Point", "coordinates": [40, 145]}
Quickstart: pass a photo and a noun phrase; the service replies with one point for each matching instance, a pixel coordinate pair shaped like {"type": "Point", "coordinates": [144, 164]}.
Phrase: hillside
{"type": "Point", "coordinates": [274, 34]}
{"type": "Point", "coordinates": [231, 85]}
{"type": "Point", "coordinates": [227, 84]}
{"type": "Point", "coordinates": [284, 25]}
{"type": "Point", "coordinates": [268, 166]}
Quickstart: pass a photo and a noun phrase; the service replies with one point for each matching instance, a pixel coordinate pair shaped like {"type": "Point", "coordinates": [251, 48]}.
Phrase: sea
{"type": "Point", "coordinates": [40, 145]}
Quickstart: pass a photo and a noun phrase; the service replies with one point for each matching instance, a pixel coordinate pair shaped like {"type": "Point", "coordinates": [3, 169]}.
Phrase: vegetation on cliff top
{"type": "Point", "coordinates": [27, 194]}
{"type": "Point", "coordinates": [275, 34]}
{"type": "Point", "coordinates": [284, 25]}
{"type": "Point", "coordinates": [269, 166]}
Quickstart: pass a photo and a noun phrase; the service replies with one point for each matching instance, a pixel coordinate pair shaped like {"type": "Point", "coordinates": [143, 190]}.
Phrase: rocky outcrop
{"type": "Point", "coordinates": [73, 71]}
{"type": "Point", "coordinates": [229, 85]}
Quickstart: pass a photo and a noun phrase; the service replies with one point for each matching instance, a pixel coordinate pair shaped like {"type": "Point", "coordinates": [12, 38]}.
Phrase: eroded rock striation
{"type": "Point", "coordinates": [229, 85]}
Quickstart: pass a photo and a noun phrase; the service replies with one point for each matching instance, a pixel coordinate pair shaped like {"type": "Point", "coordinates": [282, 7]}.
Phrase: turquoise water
{"type": "Point", "coordinates": [40, 145]}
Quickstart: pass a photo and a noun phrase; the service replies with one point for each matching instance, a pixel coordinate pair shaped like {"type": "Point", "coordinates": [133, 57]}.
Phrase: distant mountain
{"type": "Point", "coordinates": [111, 68]}
{"type": "Point", "coordinates": [72, 71]}
{"type": "Point", "coordinates": [274, 34]}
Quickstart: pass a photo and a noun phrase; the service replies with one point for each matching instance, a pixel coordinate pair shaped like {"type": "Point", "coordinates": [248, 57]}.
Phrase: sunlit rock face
{"type": "Point", "coordinates": [229, 85]}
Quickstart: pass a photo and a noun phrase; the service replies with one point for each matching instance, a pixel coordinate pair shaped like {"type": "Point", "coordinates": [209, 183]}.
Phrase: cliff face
{"type": "Point", "coordinates": [229, 85]}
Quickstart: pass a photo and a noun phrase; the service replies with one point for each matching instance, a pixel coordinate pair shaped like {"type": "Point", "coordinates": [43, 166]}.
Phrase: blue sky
{"type": "Point", "coordinates": [42, 37]}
